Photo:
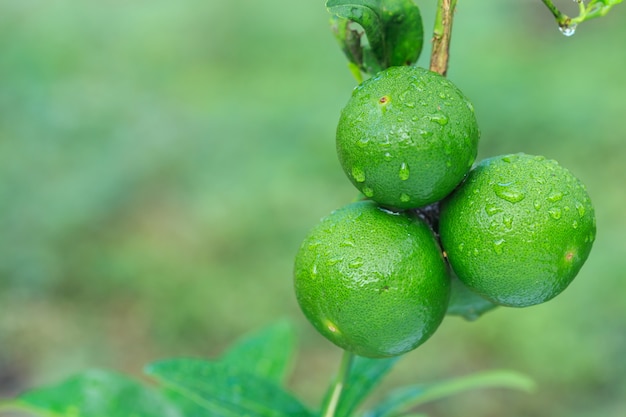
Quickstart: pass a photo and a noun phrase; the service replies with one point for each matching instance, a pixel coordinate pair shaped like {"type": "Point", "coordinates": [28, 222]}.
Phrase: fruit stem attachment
{"type": "Point", "coordinates": [332, 401]}
{"type": "Point", "coordinates": [562, 19]}
{"type": "Point", "coordinates": [442, 32]}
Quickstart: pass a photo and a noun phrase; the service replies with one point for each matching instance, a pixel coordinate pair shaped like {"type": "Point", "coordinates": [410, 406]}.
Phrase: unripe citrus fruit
{"type": "Point", "coordinates": [518, 230]}
{"type": "Point", "coordinates": [373, 282]}
{"type": "Point", "coordinates": [407, 137]}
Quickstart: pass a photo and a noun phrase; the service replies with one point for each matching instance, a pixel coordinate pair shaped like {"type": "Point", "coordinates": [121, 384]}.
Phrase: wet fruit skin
{"type": "Point", "coordinates": [373, 282]}
{"type": "Point", "coordinates": [407, 137]}
{"type": "Point", "coordinates": [518, 230]}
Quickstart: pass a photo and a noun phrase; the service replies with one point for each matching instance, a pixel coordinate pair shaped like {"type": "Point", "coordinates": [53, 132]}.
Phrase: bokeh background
{"type": "Point", "coordinates": [161, 161]}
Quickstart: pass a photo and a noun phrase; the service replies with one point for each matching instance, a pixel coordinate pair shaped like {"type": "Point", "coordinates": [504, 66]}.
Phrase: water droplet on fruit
{"type": "Point", "coordinates": [410, 104]}
{"type": "Point", "coordinates": [469, 106]}
{"type": "Point", "coordinates": [404, 172]}
{"type": "Point", "coordinates": [497, 246]}
{"type": "Point", "coordinates": [537, 205]}
{"type": "Point", "coordinates": [442, 95]}
{"type": "Point", "coordinates": [555, 213]}
{"type": "Point", "coordinates": [405, 198]}
{"type": "Point", "coordinates": [347, 244]}
{"type": "Point", "coordinates": [575, 224]}
{"type": "Point", "coordinates": [314, 271]}
{"type": "Point", "coordinates": [461, 247]}
{"type": "Point", "coordinates": [358, 174]}
{"type": "Point", "coordinates": [508, 193]}
{"type": "Point", "coordinates": [492, 210]}
{"type": "Point", "coordinates": [510, 158]}
{"type": "Point", "coordinates": [334, 261]}
{"type": "Point", "coordinates": [387, 156]}
{"type": "Point", "coordinates": [356, 263]}
{"type": "Point", "coordinates": [539, 158]}
{"type": "Point", "coordinates": [440, 119]}
{"type": "Point", "coordinates": [507, 221]}
{"type": "Point", "coordinates": [568, 30]}
{"type": "Point", "coordinates": [555, 196]}
{"type": "Point", "coordinates": [362, 143]}
{"type": "Point", "coordinates": [426, 133]}
{"type": "Point", "coordinates": [580, 208]}
{"type": "Point", "coordinates": [368, 192]}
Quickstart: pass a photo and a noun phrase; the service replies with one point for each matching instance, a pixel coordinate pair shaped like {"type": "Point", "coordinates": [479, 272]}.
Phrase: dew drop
{"type": "Point", "coordinates": [497, 246]}
{"type": "Point", "coordinates": [404, 172]}
{"type": "Point", "coordinates": [461, 247]}
{"type": "Point", "coordinates": [426, 133]}
{"type": "Point", "coordinates": [440, 119]}
{"type": "Point", "coordinates": [442, 95]}
{"type": "Point", "coordinates": [568, 30]}
{"type": "Point", "coordinates": [537, 205]}
{"type": "Point", "coordinates": [358, 174]}
{"type": "Point", "coordinates": [575, 224]}
{"type": "Point", "coordinates": [347, 244]}
{"type": "Point", "coordinates": [410, 104]}
{"type": "Point", "coordinates": [362, 143]}
{"type": "Point", "coordinates": [334, 261]}
{"type": "Point", "coordinates": [387, 156]}
{"type": "Point", "coordinates": [555, 213]}
{"type": "Point", "coordinates": [405, 198]}
{"type": "Point", "coordinates": [581, 209]}
{"type": "Point", "coordinates": [368, 192]}
{"type": "Point", "coordinates": [469, 105]}
{"type": "Point", "coordinates": [507, 221]}
{"type": "Point", "coordinates": [556, 196]}
{"type": "Point", "coordinates": [510, 158]}
{"type": "Point", "coordinates": [492, 210]}
{"type": "Point", "coordinates": [314, 271]}
{"type": "Point", "coordinates": [356, 263]}
{"type": "Point", "coordinates": [508, 193]}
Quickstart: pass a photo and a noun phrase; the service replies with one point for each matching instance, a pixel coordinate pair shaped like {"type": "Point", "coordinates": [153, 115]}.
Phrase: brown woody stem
{"type": "Point", "coordinates": [441, 36]}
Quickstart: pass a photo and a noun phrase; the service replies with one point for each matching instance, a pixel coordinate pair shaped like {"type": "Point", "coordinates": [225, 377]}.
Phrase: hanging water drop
{"type": "Point", "coordinates": [568, 30]}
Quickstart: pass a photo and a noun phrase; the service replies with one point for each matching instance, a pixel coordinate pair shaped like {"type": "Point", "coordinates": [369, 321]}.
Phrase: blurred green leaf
{"type": "Point", "coordinates": [267, 353]}
{"type": "Point", "coordinates": [406, 398]}
{"type": "Point", "coordinates": [225, 390]}
{"type": "Point", "coordinates": [465, 302]}
{"type": "Point", "coordinates": [364, 376]}
{"type": "Point", "coordinates": [393, 29]}
{"type": "Point", "coordinates": [97, 394]}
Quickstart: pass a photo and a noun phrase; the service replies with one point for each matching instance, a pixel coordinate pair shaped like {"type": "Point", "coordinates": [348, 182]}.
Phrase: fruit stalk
{"type": "Point", "coordinates": [442, 33]}
{"type": "Point", "coordinates": [332, 401]}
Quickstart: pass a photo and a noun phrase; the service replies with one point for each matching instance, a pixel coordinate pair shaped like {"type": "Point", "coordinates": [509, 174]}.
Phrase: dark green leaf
{"type": "Point", "coordinates": [364, 376]}
{"type": "Point", "coordinates": [406, 398]}
{"type": "Point", "coordinates": [97, 394]}
{"type": "Point", "coordinates": [267, 353]}
{"type": "Point", "coordinates": [393, 30]}
{"type": "Point", "coordinates": [226, 390]}
{"type": "Point", "coordinates": [466, 303]}
{"type": "Point", "coordinates": [404, 33]}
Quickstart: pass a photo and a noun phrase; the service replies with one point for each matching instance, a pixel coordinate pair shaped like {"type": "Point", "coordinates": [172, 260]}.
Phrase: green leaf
{"type": "Point", "coordinates": [364, 376]}
{"type": "Point", "coordinates": [267, 353]}
{"type": "Point", "coordinates": [393, 30]}
{"type": "Point", "coordinates": [403, 399]}
{"type": "Point", "coordinates": [97, 394]}
{"type": "Point", "coordinates": [465, 302]}
{"type": "Point", "coordinates": [226, 390]}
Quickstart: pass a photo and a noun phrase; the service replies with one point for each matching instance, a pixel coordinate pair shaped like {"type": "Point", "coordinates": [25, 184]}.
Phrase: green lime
{"type": "Point", "coordinates": [407, 137]}
{"type": "Point", "coordinates": [371, 281]}
{"type": "Point", "coordinates": [518, 230]}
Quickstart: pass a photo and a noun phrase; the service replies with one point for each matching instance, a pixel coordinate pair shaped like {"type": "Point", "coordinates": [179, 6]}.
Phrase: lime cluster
{"type": "Point", "coordinates": [431, 235]}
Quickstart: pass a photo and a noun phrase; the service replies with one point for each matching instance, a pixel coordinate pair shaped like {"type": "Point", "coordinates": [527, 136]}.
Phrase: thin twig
{"type": "Point", "coordinates": [441, 36]}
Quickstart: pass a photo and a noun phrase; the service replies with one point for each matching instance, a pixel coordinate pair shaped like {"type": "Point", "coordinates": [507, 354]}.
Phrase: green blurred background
{"type": "Point", "coordinates": [160, 162]}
